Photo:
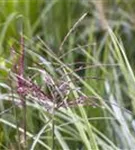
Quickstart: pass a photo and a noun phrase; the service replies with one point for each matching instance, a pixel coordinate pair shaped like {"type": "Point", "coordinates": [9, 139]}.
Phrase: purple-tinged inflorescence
{"type": "Point", "coordinates": [28, 88]}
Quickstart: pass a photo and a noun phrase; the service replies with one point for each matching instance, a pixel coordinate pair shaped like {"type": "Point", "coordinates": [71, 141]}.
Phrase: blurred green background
{"type": "Point", "coordinates": [108, 71]}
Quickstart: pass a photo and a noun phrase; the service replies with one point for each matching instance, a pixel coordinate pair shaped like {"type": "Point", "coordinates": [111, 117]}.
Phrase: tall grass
{"type": "Point", "coordinates": [77, 56]}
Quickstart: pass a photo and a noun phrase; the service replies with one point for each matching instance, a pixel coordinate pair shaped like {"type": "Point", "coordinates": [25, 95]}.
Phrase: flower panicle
{"type": "Point", "coordinates": [57, 95]}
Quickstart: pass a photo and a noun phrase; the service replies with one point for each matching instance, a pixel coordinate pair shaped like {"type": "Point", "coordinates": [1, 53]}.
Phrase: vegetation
{"type": "Point", "coordinates": [67, 75]}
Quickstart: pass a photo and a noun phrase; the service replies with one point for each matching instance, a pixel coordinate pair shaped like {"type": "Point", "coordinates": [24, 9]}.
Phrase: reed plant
{"type": "Point", "coordinates": [67, 75]}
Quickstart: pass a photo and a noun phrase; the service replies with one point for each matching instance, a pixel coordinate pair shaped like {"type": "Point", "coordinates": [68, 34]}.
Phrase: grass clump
{"type": "Point", "coordinates": [68, 85]}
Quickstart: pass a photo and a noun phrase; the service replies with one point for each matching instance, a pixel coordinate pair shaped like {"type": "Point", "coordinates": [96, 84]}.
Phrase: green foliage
{"type": "Point", "coordinates": [87, 44]}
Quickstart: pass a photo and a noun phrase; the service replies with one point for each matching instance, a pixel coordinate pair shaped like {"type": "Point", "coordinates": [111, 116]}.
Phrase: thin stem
{"type": "Point", "coordinates": [14, 110]}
